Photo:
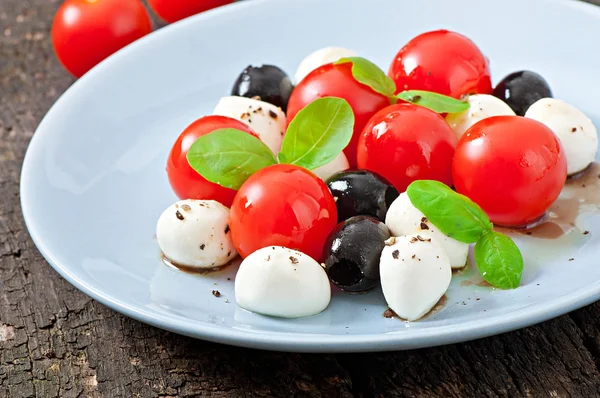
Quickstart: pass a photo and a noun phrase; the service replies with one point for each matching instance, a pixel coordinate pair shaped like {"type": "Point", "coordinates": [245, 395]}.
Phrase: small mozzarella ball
{"type": "Point", "coordinates": [280, 282]}
{"type": "Point", "coordinates": [340, 163]}
{"type": "Point", "coordinates": [481, 106]}
{"type": "Point", "coordinates": [267, 120]}
{"type": "Point", "coordinates": [195, 233]}
{"type": "Point", "coordinates": [319, 58]}
{"type": "Point", "coordinates": [404, 219]}
{"type": "Point", "coordinates": [574, 129]}
{"type": "Point", "coordinates": [415, 274]}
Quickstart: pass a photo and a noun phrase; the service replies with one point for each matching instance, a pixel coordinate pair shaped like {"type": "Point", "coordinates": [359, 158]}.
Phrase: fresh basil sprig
{"type": "Point", "coordinates": [229, 156]}
{"type": "Point", "coordinates": [316, 136]}
{"type": "Point", "coordinates": [318, 133]}
{"type": "Point", "coordinates": [455, 215]}
{"type": "Point", "coordinates": [369, 74]}
{"type": "Point", "coordinates": [436, 102]}
{"type": "Point", "coordinates": [498, 258]}
{"type": "Point", "coordinates": [366, 72]}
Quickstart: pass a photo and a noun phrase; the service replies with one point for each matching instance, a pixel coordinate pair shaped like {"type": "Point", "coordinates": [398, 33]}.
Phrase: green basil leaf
{"type": "Point", "coordinates": [229, 156]}
{"type": "Point", "coordinates": [366, 72]}
{"type": "Point", "coordinates": [499, 260]}
{"type": "Point", "coordinates": [318, 133]}
{"type": "Point", "coordinates": [436, 102]}
{"type": "Point", "coordinates": [454, 214]}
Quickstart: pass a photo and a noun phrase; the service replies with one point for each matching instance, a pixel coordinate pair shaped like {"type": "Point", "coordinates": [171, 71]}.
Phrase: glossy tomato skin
{"type": "Point", "coordinates": [444, 62]}
{"type": "Point", "coordinates": [175, 10]}
{"type": "Point", "coordinates": [84, 32]}
{"type": "Point", "coordinates": [185, 181]}
{"type": "Point", "coordinates": [283, 205]}
{"type": "Point", "coordinates": [406, 142]}
{"type": "Point", "coordinates": [511, 166]}
{"type": "Point", "coordinates": [337, 81]}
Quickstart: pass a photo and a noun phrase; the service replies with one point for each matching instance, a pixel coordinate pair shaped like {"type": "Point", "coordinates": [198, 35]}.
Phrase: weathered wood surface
{"type": "Point", "coordinates": [57, 342]}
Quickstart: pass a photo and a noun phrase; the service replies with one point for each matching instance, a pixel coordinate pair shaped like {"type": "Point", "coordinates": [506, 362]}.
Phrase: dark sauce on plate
{"type": "Point", "coordinates": [389, 313]}
{"type": "Point", "coordinates": [195, 270]}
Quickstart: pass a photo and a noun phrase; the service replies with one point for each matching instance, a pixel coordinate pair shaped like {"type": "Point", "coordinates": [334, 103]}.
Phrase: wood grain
{"type": "Point", "coordinates": [57, 342]}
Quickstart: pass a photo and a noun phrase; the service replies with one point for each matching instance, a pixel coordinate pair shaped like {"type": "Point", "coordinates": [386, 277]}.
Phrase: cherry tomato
{"type": "Point", "coordinates": [406, 142]}
{"type": "Point", "coordinates": [511, 166]}
{"type": "Point", "coordinates": [84, 32]}
{"type": "Point", "coordinates": [185, 181]}
{"type": "Point", "coordinates": [175, 10]}
{"type": "Point", "coordinates": [336, 81]}
{"type": "Point", "coordinates": [282, 205]}
{"type": "Point", "coordinates": [443, 62]}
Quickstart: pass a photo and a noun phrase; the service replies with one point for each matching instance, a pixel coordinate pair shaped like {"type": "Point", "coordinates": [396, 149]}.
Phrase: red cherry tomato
{"type": "Point", "coordinates": [511, 166]}
{"type": "Point", "coordinates": [443, 62]}
{"type": "Point", "coordinates": [336, 81]}
{"type": "Point", "coordinates": [84, 32]}
{"type": "Point", "coordinates": [404, 143]}
{"type": "Point", "coordinates": [175, 10]}
{"type": "Point", "coordinates": [185, 181]}
{"type": "Point", "coordinates": [282, 205]}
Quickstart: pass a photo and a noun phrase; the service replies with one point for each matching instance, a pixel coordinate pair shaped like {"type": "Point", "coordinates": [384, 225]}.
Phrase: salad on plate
{"type": "Point", "coordinates": [347, 178]}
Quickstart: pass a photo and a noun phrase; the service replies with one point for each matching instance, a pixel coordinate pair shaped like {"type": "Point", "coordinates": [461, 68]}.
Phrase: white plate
{"type": "Point", "coordinates": [94, 181]}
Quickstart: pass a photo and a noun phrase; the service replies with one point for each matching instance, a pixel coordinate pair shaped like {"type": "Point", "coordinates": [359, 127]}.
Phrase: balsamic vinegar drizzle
{"type": "Point", "coordinates": [581, 194]}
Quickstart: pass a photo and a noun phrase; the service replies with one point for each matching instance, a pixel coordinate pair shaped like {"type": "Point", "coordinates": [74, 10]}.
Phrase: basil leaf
{"type": "Point", "coordinates": [436, 102]}
{"type": "Point", "coordinates": [366, 72]}
{"type": "Point", "coordinates": [499, 260]}
{"type": "Point", "coordinates": [229, 156]}
{"type": "Point", "coordinates": [454, 214]}
{"type": "Point", "coordinates": [318, 133]}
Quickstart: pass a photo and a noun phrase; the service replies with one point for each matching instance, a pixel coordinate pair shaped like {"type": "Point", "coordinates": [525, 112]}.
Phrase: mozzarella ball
{"type": "Point", "coordinates": [195, 233]}
{"type": "Point", "coordinates": [267, 120]}
{"type": "Point", "coordinates": [340, 163]}
{"type": "Point", "coordinates": [415, 274]}
{"type": "Point", "coordinates": [403, 218]}
{"type": "Point", "coordinates": [574, 129]}
{"type": "Point", "coordinates": [281, 282]}
{"type": "Point", "coordinates": [319, 58]}
{"type": "Point", "coordinates": [481, 106]}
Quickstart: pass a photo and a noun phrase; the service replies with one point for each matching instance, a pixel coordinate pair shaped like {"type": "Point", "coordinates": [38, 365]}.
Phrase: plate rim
{"type": "Point", "coordinates": [278, 340]}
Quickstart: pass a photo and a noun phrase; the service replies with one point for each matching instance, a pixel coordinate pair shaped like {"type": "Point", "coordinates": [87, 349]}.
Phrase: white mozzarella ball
{"type": "Point", "coordinates": [319, 58]}
{"type": "Point", "coordinates": [267, 120]}
{"type": "Point", "coordinates": [574, 129]}
{"type": "Point", "coordinates": [415, 274]}
{"type": "Point", "coordinates": [195, 233]}
{"type": "Point", "coordinates": [281, 282]}
{"type": "Point", "coordinates": [403, 218]}
{"type": "Point", "coordinates": [481, 107]}
{"type": "Point", "coordinates": [340, 163]}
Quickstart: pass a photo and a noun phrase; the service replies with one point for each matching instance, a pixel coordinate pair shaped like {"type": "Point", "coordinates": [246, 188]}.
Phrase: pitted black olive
{"type": "Point", "coordinates": [521, 89]}
{"type": "Point", "coordinates": [352, 253]}
{"type": "Point", "coordinates": [268, 82]}
{"type": "Point", "coordinates": [361, 193]}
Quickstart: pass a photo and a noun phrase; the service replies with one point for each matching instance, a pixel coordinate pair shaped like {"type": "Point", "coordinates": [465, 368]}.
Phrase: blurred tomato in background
{"type": "Point", "coordinates": [85, 32]}
{"type": "Point", "coordinates": [175, 10]}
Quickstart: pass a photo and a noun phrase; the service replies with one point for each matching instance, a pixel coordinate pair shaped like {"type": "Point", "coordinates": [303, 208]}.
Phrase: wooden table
{"type": "Point", "coordinates": [57, 342]}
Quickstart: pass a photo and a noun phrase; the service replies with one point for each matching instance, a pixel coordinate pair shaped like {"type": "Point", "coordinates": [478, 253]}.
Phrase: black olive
{"type": "Point", "coordinates": [361, 193]}
{"type": "Point", "coordinates": [521, 89]}
{"type": "Point", "coordinates": [352, 253]}
{"type": "Point", "coordinates": [268, 82]}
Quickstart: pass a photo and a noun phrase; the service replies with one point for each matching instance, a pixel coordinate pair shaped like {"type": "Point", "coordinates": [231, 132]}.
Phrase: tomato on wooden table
{"type": "Point", "coordinates": [84, 32]}
{"type": "Point", "coordinates": [332, 80]}
{"type": "Point", "coordinates": [406, 142]}
{"type": "Point", "coordinates": [511, 166]}
{"type": "Point", "coordinates": [175, 10]}
{"type": "Point", "coordinates": [444, 62]}
{"type": "Point", "coordinates": [185, 181]}
{"type": "Point", "coordinates": [283, 205]}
